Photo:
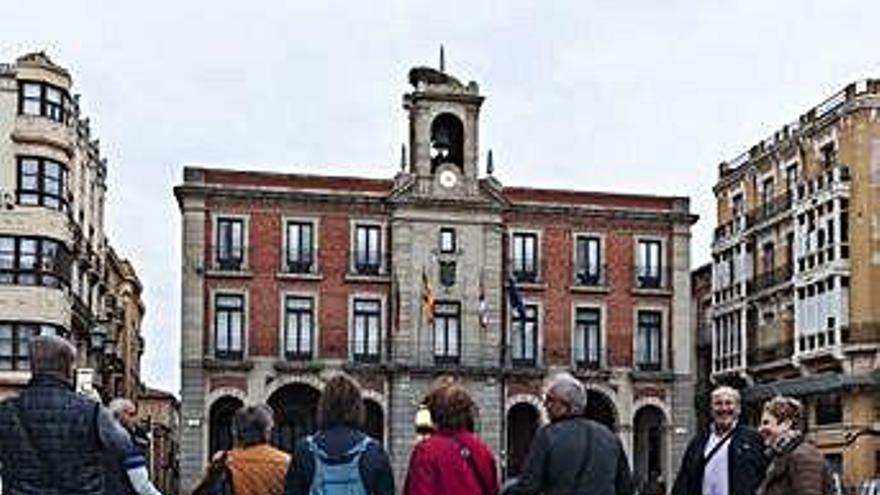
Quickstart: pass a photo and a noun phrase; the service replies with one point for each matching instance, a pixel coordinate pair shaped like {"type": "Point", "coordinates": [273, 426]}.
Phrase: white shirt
{"type": "Point", "coordinates": [715, 474]}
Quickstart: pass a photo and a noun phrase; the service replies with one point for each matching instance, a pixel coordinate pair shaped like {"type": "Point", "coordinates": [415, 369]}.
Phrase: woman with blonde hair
{"type": "Point", "coordinates": [796, 467]}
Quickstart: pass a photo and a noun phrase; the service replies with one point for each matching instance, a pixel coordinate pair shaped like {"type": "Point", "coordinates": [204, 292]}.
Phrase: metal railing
{"type": "Point", "coordinates": [651, 277]}
{"type": "Point", "coordinates": [590, 276]}
{"type": "Point", "coordinates": [776, 206]}
{"type": "Point", "coordinates": [766, 280]}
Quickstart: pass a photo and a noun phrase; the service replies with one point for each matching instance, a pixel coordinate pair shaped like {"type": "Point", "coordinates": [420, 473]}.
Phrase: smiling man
{"type": "Point", "coordinates": [725, 459]}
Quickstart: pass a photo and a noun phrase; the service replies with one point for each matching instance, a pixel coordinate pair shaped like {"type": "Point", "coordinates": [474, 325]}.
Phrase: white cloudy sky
{"type": "Point", "coordinates": [638, 96]}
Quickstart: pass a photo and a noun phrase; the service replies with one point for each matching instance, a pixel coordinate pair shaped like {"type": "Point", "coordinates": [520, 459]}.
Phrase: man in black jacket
{"type": "Point", "coordinates": [573, 454]}
{"type": "Point", "coordinates": [725, 459]}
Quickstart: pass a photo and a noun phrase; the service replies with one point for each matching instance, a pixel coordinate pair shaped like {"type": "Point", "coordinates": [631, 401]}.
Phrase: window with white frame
{"type": "Point", "coordinates": [524, 336]}
{"type": "Point", "coordinates": [367, 249]}
{"type": "Point", "coordinates": [299, 327]}
{"type": "Point", "coordinates": [588, 338]}
{"type": "Point", "coordinates": [229, 326]}
{"type": "Point", "coordinates": [649, 340]}
{"type": "Point", "coordinates": [525, 256]}
{"type": "Point", "coordinates": [41, 181]}
{"type": "Point", "coordinates": [447, 332]}
{"type": "Point", "coordinates": [230, 243]}
{"type": "Point", "coordinates": [300, 246]}
{"type": "Point", "coordinates": [366, 334]}
{"type": "Point", "coordinates": [649, 265]}
{"type": "Point", "coordinates": [588, 260]}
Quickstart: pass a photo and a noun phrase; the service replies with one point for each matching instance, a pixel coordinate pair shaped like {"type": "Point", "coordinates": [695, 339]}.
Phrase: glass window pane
{"type": "Point", "coordinates": [305, 332]}
{"type": "Point", "coordinates": [439, 336]}
{"type": "Point", "coordinates": [373, 336]}
{"type": "Point", "coordinates": [223, 332]}
{"type": "Point", "coordinates": [236, 332]}
{"type": "Point", "coordinates": [453, 337]}
{"type": "Point", "coordinates": [31, 90]}
{"type": "Point", "coordinates": [53, 95]}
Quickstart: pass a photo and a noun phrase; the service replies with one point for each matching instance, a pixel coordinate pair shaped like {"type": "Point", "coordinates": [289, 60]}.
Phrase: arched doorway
{"type": "Point", "coordinates": [523, 420]}
{"type": "Point", "coordinates": [649, 450]}
{"type": "Point", "coordinates": [374, 420]}
{"type": "Point", "coordinates": [295, 407]}
{"type": "Point", "coordinates": [220, 423]}
{"type": "Point", "coordinates": [601, 409]}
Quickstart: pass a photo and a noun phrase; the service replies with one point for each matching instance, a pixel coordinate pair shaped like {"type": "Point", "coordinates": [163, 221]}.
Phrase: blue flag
{"type": "Point", "coordinates": [516, 301]}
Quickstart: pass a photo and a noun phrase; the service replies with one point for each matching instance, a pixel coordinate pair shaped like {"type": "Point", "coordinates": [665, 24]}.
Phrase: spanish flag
{"type": "Point", "coordinates": [427, 298]}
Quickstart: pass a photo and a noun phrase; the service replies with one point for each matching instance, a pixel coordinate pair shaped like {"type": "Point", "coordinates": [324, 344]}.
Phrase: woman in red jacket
{"type": "Point", "coordinates": [452, 459]}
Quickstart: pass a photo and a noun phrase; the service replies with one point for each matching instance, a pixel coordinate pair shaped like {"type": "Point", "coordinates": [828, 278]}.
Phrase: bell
{"type": "Point", "coordinates": [441, 141]}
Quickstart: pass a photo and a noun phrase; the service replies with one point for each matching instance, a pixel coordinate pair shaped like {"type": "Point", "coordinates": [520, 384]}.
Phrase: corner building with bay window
{"type": "Point", "coordinates": [286, 278]}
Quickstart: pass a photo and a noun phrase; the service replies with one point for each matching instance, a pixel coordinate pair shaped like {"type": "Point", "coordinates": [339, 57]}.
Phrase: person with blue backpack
{"type": "Point", "coordinates": [340, 459]}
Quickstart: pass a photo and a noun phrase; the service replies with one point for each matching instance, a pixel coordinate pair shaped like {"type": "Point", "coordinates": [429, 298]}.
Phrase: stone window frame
{"type": "Point", "coordinates": [312, 353]}
{"type": "Point", "coordinates": [355, 223]}
{"type": "Point", "coordinates": [537, 234]}
{"type": "Point", "coordinates": [382, 301]}
{"type": "Point", "coordinates": [602, 276]}
{"type": "Point", "coordinates": [216, 217]}
{"type": "Point", "coordinates": [664, 363]}
{"type": "Point", "coordinates": [285, 261]}
{"type": "Point", "coordinates": [447, 357]}
{"type": "Point", "coordinates": [245, 320]}
{"type": "Point", "coordinates": [663, 268]}
{"type": "Point", "coordinates": [601, 307]}
{"type": "Point", "coordinates": [538, 339]}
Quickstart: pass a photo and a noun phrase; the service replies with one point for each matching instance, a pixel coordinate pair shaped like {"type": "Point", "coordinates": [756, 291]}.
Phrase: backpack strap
{"type": "Point", "coordinates": [469, 460]}
{"type": "Point", "coordinates": [586, 459]}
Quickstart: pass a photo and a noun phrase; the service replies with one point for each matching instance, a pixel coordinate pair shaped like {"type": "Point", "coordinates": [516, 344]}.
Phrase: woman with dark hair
{"type": "Point", "coordinates": [796, 467]}
{"type": "Point", "coordinates": [452, 459]}
{"type": "Point", "coordinates": [340, 454]}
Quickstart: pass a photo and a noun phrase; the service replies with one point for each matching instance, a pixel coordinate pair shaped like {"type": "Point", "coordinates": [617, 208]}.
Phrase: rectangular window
{"type": "Point", "coordinates": [588, 338]}
{"type": "Point", "coordinates": [648, 271]}
{"type": "Point", "coordinates": [14, 340]}
{"type": "Point", "coordinates": [299, 247]}
{"type": "Point", "coordinates": [34, 261]}
{"type": "Point", "coordinates": [829, 155]}
{"type": "Point", "coordinates": [791, 177]}
{"type": "Point", "coordinates": [298, 327]}
{"type": "Point", "coordinates": [588, 260]}
{"type": "Point", "coordinates": [829, 410]}
{"type": "Point", "coordinates": [649, 341]}
{"type": "Point", "coordinates": [42, 99]}
{"type": "Point", "coordinates": [767, 193]}
{"type": "Point", "coordinates": [447, 332]}
{"type": "Point", "coordinates": [229, 326]}
{"type": "Point", "coordinates": [525, 257]}
{"type": "Point", "coordinates": [447, 240]}
{"type": "Point", "coordinates": [368, 250]}
{"type": "Point", "coordinates": [367, 330]}
{"type": "Point", "coordinates": [524, 337]}
{"type": "Point", "coordinates": [41, 182]}
{"type": "Point", "coordinates": [230, 243]}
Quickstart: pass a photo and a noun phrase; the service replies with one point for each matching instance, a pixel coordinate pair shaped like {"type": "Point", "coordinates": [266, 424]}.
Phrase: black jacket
{"type": "Point", "coordinates": [745, 463]}
{"type": "Point", "coordinates": [49, 442]}
{"type": "Point", "coordinates": [558, 452]}
{"type": "Point", "coordinates": [374, 467]}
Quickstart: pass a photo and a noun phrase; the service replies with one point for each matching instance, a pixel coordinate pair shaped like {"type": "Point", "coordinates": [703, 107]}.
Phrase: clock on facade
{"type": "Point", "coordinates": [448, 178]}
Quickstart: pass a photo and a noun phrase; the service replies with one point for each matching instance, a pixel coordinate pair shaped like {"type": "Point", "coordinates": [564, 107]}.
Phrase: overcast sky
{"type": "Point", "coordinates": [637, 96]}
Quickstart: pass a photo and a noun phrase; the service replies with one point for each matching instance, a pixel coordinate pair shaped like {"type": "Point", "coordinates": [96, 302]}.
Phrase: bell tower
{"type": "Point", "coordinates": [443, 133]}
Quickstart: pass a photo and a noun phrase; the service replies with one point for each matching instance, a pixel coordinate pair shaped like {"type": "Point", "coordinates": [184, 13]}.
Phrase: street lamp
{"type": "Point", "coordinates": [97, 336]}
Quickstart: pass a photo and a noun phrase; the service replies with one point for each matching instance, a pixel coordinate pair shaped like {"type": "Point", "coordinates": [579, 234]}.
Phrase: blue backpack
{"type": "Point", "coordinates": [339, 475]}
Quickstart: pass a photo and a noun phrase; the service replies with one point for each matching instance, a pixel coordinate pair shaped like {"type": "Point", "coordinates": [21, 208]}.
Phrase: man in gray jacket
{"type": "Point", "coordinates": [573, 454]}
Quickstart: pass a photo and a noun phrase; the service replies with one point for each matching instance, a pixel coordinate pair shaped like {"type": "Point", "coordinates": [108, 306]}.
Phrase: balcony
{"type": "Point", "coordinates": [768, 280]}
{"type": "Point", "coordinates": [775, 207]}
{"type": "Point", "coordinates": [836, 175]}
{"type": "Point", "coordinates": [652, 278]}
{"type": "Point", "coordinates": [590, 277]}
{"type": "Point", "coordinates": [227, 261]}
{"type": "Point", "coordinates": [730, 230]}
{"type": "Point", "coordinates": [369, 264]}
{"type": "Point", "coordinates": [525, 276]}
{"type": "Point", "coordinates": [770, 353]}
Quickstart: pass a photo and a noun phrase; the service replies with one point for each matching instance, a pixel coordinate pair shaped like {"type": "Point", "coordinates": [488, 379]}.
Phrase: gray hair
{"type": "Point", "coordinates": [570, 390]}
{"type": "Point", "coordinates": [52, 355]}
{"type": "Point", "coordinates": [251, 425]}
{"type": "Point", "coordinates": [728, 391]}
{"type": "Point", "coordinates": [119, 405]}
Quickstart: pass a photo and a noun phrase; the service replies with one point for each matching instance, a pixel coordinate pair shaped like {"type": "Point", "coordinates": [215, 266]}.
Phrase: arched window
{"type": "Point", "coordinates": [447, 141]}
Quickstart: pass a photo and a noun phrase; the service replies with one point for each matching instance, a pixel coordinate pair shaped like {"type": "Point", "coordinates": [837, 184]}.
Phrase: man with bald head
{"type": "Point", "coordinates": [572, 454]}
{"type": "Point", "coordinates": [727, 458]}
{"type": "Point", "coordinates": [52, 440]}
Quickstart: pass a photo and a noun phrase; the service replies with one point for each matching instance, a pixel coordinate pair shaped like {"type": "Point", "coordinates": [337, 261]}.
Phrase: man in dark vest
{"type": "Point", "coordinates": [52, 440]}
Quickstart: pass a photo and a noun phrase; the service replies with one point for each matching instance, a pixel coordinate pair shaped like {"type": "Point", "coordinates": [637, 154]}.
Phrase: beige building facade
{"type": "Point", "coordinates": [58, 273]}
{"type": "Point", "coordinates": [796, 274]}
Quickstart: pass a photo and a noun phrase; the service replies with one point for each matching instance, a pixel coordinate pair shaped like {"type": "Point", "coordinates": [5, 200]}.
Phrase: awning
{"type": "Point", "coordinates": [809, 385]}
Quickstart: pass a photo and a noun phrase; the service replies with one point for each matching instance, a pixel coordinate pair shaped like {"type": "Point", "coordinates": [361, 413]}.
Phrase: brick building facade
{"type": "Point", "coordinates": [286, 278]}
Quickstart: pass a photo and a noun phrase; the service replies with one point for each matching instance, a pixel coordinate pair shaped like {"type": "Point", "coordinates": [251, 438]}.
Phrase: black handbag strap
{"type": "Point", "coordinates": [469, 460]}
{"type": "Point", "coordinates": [717, 446]}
